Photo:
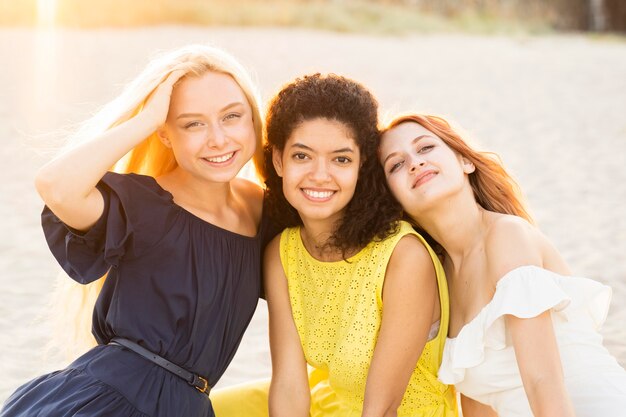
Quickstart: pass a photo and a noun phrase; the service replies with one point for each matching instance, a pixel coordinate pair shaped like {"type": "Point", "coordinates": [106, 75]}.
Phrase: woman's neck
{"type": "Point", "coordinates": [457, 224]}
{"type": "Point", "coordinates": [315, 235]}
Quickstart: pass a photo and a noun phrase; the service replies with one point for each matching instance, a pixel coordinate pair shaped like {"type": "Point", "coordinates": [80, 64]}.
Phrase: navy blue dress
{"type": "Point", "coordinates": [177, 285]}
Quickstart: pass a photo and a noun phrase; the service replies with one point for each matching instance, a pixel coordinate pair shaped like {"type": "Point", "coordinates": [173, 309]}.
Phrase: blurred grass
{"type": "Point", "coordinates": [336, 15]}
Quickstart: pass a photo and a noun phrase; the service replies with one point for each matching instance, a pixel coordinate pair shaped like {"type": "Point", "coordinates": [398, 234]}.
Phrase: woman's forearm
{"type": "Point", "coordinates": [286, 400]}
{"type": "Point", "coordinates": [391, 411]}
{"type": "Point", "coordinates": [539, 362]}
{"type": "Point", "coordinates": [548, 398]}
{"type": "Point", "coordinates": [72, 176]}
{"type": "Point", "coordinates": [69, 180]}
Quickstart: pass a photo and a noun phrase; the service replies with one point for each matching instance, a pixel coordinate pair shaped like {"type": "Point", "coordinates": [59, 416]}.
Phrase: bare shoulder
{"type": "Point", "coordinates": [511, 242]}
{"type": "Point", "coordinates": [251, 193]}
{"type": "Point", "coordinates": [410, 248]}
{"type": "Point", "coordinates": [272, 249]}
{"type": "Point", "coordinates": [506, 228]}
{"type": "Point", "coordinates": [248, 189]}
{"type": "Point", "coordinates": [410, 259]}
{"type": "Point", "coordinates": [273, 272]}
{"type": "Point", "coordinates": [410, 283]}
{"type": "Point", "coordinates": [271, 256]}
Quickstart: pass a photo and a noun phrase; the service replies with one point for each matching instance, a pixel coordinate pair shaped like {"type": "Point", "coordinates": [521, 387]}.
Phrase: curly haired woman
{"type": "Point", "coordinates": [352, 292]}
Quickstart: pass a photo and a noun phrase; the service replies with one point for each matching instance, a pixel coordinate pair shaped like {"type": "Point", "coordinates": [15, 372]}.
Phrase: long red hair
{"type": "Point", "coordinates": [494, 188]}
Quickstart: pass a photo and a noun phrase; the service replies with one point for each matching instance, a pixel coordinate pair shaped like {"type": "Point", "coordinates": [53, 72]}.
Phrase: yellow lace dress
{"type": "Point", "coordinates": [337, 308]}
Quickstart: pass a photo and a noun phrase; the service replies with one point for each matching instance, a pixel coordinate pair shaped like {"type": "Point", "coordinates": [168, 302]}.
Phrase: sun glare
{"type": "Point", "coordinates": [46, 12]}
{"type": "Point", "coordinates": [42, 91]}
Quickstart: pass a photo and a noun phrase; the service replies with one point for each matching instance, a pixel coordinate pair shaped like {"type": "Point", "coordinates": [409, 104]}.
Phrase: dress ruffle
{"type": "Point", "coordinates": [69, 392]}
{"type": "Point", "coordinates": [524, 292]}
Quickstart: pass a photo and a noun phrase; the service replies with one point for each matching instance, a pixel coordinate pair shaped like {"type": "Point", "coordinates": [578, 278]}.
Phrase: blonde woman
{"type": "Point", "coordinates": [177, 234]}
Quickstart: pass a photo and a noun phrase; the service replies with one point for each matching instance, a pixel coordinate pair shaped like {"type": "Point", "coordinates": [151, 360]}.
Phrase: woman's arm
{"type": "Point", "coordinates": [410, 295]}
{"type": "Point", "coordinates": [67, 183]}
{"type": "Point", "coordinates": [472, 408]}
{"type": "Point", "coordinates": [539, 363]}
{"type": "Point", "coordinates": [289, 390]}
{"type": "Point", "coordinates": [513, 243]}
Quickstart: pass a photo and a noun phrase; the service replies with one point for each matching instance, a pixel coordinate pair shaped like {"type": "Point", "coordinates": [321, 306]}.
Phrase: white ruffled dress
{"type": "Point", "coordinates": [481, 363]}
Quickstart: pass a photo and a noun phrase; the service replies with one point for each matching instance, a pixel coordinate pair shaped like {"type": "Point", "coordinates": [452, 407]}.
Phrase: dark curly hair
{"type": "Point", "coordinates": [372, 214]}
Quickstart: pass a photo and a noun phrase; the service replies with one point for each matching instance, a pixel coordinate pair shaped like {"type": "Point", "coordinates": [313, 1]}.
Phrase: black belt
{"type": "Point", "coordinates": [192, 379]}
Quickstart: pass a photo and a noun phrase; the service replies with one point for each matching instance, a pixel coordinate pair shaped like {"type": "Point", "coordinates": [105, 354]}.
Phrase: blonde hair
{"type": "Point", "coordinates": [73, 303]}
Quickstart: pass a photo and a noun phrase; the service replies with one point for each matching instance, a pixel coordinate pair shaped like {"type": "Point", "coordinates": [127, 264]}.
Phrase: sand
{"type": "Point", "coordinates": [553, 107]}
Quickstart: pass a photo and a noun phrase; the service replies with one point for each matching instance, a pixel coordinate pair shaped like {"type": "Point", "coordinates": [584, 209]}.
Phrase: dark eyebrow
{"type": "Point", "coordinates": [303, 146]}
{"type": "Point", "coordinates": [413, 142]}
{"type": "Point", "coordinates": [227, 107]}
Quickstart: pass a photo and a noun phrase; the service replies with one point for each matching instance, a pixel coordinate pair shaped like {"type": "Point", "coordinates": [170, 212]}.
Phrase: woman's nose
{"type": "Point", "coordinates": [320, 171]}
{"type": "Point", "coordinates": [417, 162]}
{"type": "Point", "coordinates": [216, 138]}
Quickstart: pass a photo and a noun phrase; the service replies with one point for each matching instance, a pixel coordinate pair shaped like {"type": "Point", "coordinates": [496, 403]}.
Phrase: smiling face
{"type": "Point", "coordinates": [319, 167]}
{"type": "Point", "coordinates": [420, 168]}
{"type": "Point", "coordinates": [209, 127]}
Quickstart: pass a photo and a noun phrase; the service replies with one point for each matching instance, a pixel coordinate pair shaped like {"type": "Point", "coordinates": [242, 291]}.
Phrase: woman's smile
{"type": "Point", "coordinates": [318, 195]}
{"type": "Point", "coordinates": [424, 177]}
{"type": "Point", "coordinates": [221, 160]}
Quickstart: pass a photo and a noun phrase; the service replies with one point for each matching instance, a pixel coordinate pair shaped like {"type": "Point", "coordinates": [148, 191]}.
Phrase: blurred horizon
{"type": "Point", "coordinates": [370, 16]}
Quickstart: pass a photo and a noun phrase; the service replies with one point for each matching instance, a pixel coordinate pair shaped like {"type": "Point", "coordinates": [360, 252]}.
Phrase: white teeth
{"type": "Point", "coordinates": [221, 158]}
{"type": "Point", "coordinates": [318, 194]}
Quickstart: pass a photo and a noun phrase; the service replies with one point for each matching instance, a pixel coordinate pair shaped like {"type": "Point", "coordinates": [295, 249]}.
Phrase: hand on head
{"type": "Point", "coordinates": [157, 104]}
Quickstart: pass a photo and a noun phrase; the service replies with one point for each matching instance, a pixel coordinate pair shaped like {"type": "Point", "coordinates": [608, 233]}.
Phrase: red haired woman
{"type": "Point", "coordinates": [523, 336]}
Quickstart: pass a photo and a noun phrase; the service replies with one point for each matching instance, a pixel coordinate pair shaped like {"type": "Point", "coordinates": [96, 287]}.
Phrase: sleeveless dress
{"type": "Point", "coordinates": [177, 285]}
{"type": "Point", "coordinates": [337, 308]}
{"type": "Point", "coordinates": [481, 363]}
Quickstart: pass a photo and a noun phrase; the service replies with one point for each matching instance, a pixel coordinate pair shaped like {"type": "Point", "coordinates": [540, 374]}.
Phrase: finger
{"type": "Point", "coordinates": [174, 76]}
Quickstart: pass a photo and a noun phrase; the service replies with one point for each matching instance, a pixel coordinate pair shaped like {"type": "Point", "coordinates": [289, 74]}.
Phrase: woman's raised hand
{"type": "Point", "coordinates": [67, 184]}
{"type": "Point", "coordinates": [158, 103]}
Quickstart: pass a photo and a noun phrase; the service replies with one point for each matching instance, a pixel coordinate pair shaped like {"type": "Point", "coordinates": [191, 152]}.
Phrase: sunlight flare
{"type": "Point", "coordinates": [46, 12]}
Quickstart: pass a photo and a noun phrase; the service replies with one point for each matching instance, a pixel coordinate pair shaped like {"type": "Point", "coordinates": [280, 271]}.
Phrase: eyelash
{"type": "Point", "coordinates": [425, 148]}
{"type": "Point", "coordinates": [397, 165]}
{"type": "Point", "coordinates": [192, 124]}
{"type": "Point", "coordinates": [230, 116]}
{"type": "Point", "coordinates": [302, 156]}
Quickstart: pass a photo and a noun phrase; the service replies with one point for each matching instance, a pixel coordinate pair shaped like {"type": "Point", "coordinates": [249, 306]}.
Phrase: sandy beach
{"type": "Point", "coordinates": [553, 107]}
